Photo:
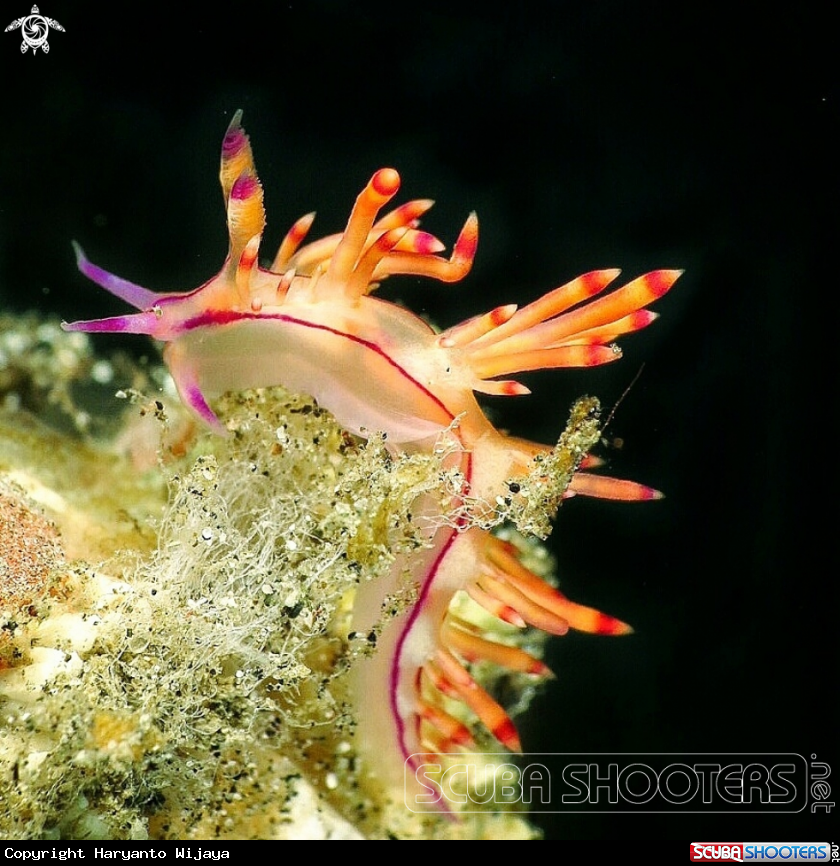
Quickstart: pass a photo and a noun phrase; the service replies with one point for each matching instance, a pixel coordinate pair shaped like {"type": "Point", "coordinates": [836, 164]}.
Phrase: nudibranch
{"type": "Point", "coordinates": [310, 323]}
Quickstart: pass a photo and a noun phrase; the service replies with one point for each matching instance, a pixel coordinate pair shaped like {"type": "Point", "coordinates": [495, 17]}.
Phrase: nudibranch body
{"type": "Point", "coordinates": [310, 323]}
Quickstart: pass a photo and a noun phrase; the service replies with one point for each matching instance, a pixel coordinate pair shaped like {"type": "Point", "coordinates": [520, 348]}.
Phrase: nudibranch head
{"type": "Point", "coordinates": [310, 323]}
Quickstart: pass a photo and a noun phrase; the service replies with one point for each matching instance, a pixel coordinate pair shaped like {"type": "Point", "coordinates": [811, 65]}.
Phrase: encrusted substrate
{"type": "Point", "coordinates": [174, 635]}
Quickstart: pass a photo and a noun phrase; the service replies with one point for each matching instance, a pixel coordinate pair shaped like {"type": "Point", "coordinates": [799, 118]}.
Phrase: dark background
{"type": "Point", "coordinates": [586, 136]}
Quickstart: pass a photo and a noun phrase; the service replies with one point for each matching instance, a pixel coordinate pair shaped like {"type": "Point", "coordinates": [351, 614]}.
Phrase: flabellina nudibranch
{"type": "Point", "coordinates": [310, 323]}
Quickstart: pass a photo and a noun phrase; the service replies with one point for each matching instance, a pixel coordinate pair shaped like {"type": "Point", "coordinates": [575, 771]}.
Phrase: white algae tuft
{"type": "Point", "coordinates": [174, 609]}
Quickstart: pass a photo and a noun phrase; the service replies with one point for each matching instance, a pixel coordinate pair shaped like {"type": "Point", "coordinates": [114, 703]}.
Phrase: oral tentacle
{"type": "Point", "coordinates": [131, 293]}
{"type": "Point", "coordinates": [135, 323]}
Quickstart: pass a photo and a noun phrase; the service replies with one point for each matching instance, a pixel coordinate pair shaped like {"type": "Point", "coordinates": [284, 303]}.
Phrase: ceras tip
{"type": "Point", "coordinates": [386, 182]}
{"type": "Point", "coordinates": [659, 282]}
{"type": "Point", "coordinates": [610, 626]}
{"type": "Point", "coordinates": [425, 244]}
{"type": "Point", "coordinates": [467, 242]}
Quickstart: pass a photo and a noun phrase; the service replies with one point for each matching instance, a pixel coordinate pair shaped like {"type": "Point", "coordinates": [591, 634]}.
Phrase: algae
{"type": "Point", "coordinates": [174, 607]}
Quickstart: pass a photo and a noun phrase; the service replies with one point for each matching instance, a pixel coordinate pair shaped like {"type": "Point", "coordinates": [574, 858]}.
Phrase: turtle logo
{"type": "Point", "coordinates": [34, 29]}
